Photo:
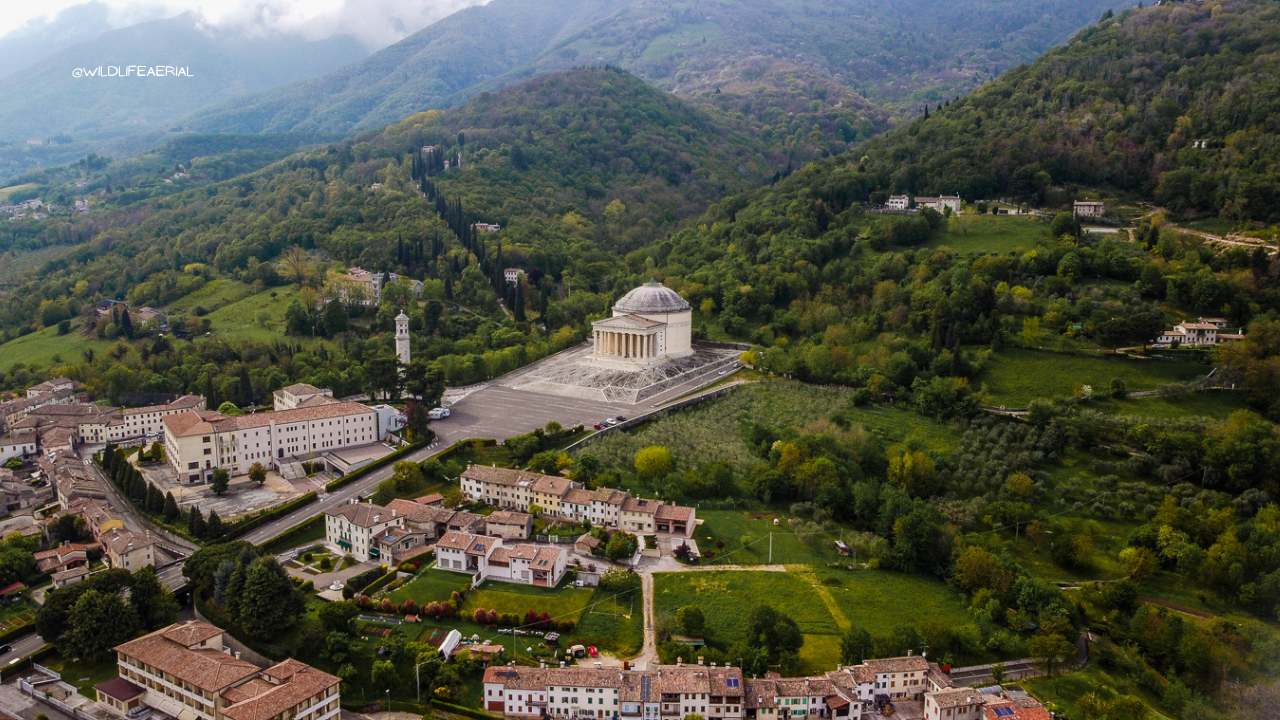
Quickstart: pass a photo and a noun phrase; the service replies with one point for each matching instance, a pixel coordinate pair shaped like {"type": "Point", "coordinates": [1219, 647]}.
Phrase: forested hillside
{"type": "Point", "coordinates": [1175, 103]}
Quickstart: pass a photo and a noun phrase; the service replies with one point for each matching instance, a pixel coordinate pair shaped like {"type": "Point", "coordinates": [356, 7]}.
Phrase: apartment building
{"type": "Point", "coordinates": [488, 558]}
{"type": "Point", "coordinates": [559, 497]}
{"type": "Point", "coordinates": [198, 442]}
{"type": "Point", "coordinates": [118, 424]}
{"type": "Point", "coordinates": [183, 671]}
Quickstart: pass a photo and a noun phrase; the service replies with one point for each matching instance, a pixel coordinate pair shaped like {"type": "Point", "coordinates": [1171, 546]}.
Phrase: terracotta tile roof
{"type": "Point", "coordinates": [195, 422]}
{"type": "Point", "coordinates": [462, 521]}
{"type": "Point", "coordinates": [578, 496]}
{"type": "Point", "coordinates": [363, 515]}
{"type": "Point", "coordinates": [501, 556]}
{"type": "Point", "coordinates": [207, 669]}
{"type": "Point", "coordinates": [299, 683]}
{"type": "Point", "coordinates": [300, 414]}
{"type": "Point", "coordinates": [301, 389]}
{"type": "Point", "coordinates": [455, 541]}
{"type": "Point", "coordinates": [499, 476]}
{"type": "Point", "coordinates": [414, 513]}
{"type": "Point", "coordinates": [186, 402]}
{"type": "Point", "coordinates": [432, 499]}
{"type": "Point", "coordinates": [481, 545]}
{"type": "Point", "coordinates": [610, 496]}
{"type": "Point", "coordinates": [674, 512]}
{"type": "Point", "coordinates": [504, 517]}
{"type": "Point", "coordinates": [911, 663]}
{"type": "Point", "coordinates": [552, 485]}
{"type": "Point", "coordinates": [955, 697]}
{"type": "Point", "coordinates": [69, 574]}
{"type": "Point", "coordinates": [640, 505]}
{"type": "Point", "coordinates": [123, 541]}
{"type": "Point", "coordinates": [1037, 712]}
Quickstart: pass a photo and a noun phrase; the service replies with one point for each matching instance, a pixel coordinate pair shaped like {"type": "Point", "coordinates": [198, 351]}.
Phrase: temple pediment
{"type": "Point", "coordinates": [627, 322]}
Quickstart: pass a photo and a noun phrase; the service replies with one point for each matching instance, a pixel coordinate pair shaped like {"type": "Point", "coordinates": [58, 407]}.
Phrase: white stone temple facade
{"type": "Point", "coordinates": [650, 325]}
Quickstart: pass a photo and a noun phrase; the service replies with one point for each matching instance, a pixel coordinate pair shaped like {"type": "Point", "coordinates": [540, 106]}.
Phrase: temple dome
{"type": "Point", "coordinates": [652, 298]}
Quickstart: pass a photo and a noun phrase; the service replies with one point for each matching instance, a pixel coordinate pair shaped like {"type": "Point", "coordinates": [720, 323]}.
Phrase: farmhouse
{"type": "Point", "coordinates": [1193, 333]}
{"type": "Point", "coordinates": [940, 203]}
{"type": "Point", "coordinates": [1090, 208]}
{"type": "Point", "coordinates": [897, 202]}
{"type": "Point", "coordinates": [355, 527]}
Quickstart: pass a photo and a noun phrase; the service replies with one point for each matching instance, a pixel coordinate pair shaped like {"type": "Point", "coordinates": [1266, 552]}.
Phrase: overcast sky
{"type": "Point", "coordinates": [376, 23]}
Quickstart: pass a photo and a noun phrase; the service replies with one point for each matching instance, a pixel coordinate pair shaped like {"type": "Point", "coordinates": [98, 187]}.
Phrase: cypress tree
{"type": "Point", "coordinates": [195, 523]}
{"type": "Point", "coordinates": [214, 529]}
{"type": "Point", "coordinates": [170, 510]}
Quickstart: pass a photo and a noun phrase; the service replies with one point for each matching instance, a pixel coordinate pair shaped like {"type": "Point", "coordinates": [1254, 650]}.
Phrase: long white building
{"type": "Point", "coordinates": [199, 442]}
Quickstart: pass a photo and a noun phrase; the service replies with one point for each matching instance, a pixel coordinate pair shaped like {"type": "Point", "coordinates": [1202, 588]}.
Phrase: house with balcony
{"type": "Point", "coordinates": [355, 528]}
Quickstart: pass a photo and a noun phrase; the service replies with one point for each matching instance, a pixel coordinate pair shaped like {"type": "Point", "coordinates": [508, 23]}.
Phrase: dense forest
{"type": "Point", "coordinates": [1175, 103]}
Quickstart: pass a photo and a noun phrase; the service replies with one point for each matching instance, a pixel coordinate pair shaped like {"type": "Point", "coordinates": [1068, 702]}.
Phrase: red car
{"type": "Point", "coordinates": [598, 426]}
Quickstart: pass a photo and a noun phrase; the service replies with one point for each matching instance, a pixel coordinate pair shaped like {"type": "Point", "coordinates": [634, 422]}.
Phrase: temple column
{"type": "Point", "coordinates": [613, 343]}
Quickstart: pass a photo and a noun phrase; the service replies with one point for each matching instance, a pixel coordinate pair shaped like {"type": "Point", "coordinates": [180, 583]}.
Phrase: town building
{"type": "Point", "coordinates": [1090, 208]}
{"type": "Point", "coordinates": [120, 424]}
{"type": "Point", "coordinates": [128, 550]}
{"type": "Point", "coordinates": [650, 325]}
{"type": "Point", "coordinates": [898, 203]}
{"type": "Point", "coordinates": [183, 671]}
{"type": "Point", "coordinates": [509, 525]}
{"type": "Point", "coordinates": [485, 227]}
{"type": "Point", "coordinates": [558, 497]}
{"type": "Point", "coordinates": [488, 558]}
{"type": "Point", "coordinates": [298, 395]}
{"type": "Point", "coordinates": [722, 693]}
{"type": "Point", "coordinates": [512, 275]}
{"type": "Point", "coordinates": [353, 529]}
{"type": "Point", "coordinates": [199, 442]}
{"type": "Point", "coordinates": [940, 203]}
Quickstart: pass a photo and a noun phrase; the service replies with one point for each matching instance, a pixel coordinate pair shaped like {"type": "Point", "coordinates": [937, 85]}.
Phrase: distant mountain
{"type": "Point", "coordinates": [42, 37]}
{"type": "Point", "coordinates": [437, 67]}
{"type": "Point", "coordinates": [45, 100]}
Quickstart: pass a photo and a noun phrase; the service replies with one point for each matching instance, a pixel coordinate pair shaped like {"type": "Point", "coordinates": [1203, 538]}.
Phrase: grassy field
{"type": "Point", "coordinates": [254, 317]}
{"type": "Point", "coordinates": [1014, 377]}
{"type": "Point", "coordinates": [1216, 404]}
{"type": "Point", "coordinates": [6, 192]}
{"type": "Point", "coordinates": [564, 603]}
{"type": "Point", "coordinates": [1065, 690]}
{"type": "Point", "coordinates": [213, 295]}
{"type": "Point", "coordinates": [47, 347]}
{"type": "Point", "coordinates": [726, 598]}
{"type": "Point", "coordinates": [992, 233]}
{"type": "Point", "coordinates": [612, 622]}
{"type": "Point", "coordinates": [874, 599]}
{"type": "Point", "coordinates": [731, 526]}
{"type": "Point", "coordinates": [431, 585]}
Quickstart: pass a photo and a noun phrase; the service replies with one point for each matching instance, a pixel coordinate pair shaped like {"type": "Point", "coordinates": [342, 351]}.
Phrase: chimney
{"type": "Point", "coordinates": [908, 653]}
{"type": "Point", "coordinates": [713, 664]}
{"type": "Point", "coordinates": [699, 660]}
{"type": "Point", "coordinates": [561, 664]}
{"type": "Point", "coordinates": [542, 664]}
{"type": "Point", "coordinates": [237, 654]}
{"type": "Point", "coordinates": [679, 661]}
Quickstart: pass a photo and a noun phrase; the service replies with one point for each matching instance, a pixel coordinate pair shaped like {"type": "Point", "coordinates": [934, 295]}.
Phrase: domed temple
{"type": "Point", "coordinates": [650, 325]}
{"type": "Point", "coordinates": [644, 352]}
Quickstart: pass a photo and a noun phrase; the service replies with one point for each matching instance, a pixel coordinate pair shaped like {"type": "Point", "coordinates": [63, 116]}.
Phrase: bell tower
{"type": "Point", "coordinates": [402, 338]}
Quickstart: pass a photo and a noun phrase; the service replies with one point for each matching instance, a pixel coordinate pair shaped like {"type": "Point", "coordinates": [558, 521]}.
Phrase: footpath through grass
{"type": "Point", "coordinates": [1014, 376]}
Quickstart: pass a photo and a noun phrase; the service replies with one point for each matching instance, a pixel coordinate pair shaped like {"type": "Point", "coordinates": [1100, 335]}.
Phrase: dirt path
{"type": "Point", "coordinates": [649, 654]}
{"type": "Point", "coordinates": [821, 590]}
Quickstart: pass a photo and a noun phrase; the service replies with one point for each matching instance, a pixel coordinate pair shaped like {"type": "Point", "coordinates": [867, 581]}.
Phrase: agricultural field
{"type": "Point", "coordinates": [1014, 377]}
{"type": "Point", "coordinates": [991, 234]}
{"type": "Point", "coordinates": [613, 622]}
{"type": "Point", "coordinates": [731, 527]}
{"type": "Point", "coordinates": [212, 296]}
{"type": "Point", "coordinates": [7, 192]}
{"type": "Point", "coordinates": [1216, 404]}
{"type": "Point", "coordinates": [722, 598]}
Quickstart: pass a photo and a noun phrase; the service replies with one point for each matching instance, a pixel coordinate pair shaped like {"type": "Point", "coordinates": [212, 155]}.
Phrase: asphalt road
{"type": "Point", "coordinates": [22, 647]}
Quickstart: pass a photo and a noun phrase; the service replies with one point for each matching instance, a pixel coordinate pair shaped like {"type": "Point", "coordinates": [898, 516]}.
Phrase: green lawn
{"type": "Point", "coordinates": [879, 600]}
{"type": "Point", "coordinates": [8, 191]}
{"type": "Point", "coordinates": [431, 585]}
{"type": "Point", "coordinates": [215, 294]}
{"type": "Point", "coordinates": [1014, 376]}
{"type": "Point", "coordinates": [564, 603]}
{"type": "Point", "coordinates": [84, 675]}
{"type": "Point", "coordinates": [992, 233]}
{"type": "Point", "coordinates": [47, 347]}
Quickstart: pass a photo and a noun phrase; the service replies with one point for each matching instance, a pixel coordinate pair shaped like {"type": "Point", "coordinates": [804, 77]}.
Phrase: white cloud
{"type": "Point", "coordinates": [376, 23]}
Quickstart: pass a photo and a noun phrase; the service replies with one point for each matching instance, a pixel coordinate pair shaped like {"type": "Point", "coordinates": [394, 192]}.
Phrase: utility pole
{"type": "Point", "coordinates": [770, 548]}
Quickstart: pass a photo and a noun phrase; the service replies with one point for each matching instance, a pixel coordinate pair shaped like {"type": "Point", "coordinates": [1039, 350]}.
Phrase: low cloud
{"type": "Point", "coordinates": [375, 23]}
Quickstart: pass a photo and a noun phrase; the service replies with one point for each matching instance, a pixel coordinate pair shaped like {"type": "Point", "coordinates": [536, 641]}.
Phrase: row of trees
{"type": "Point", "coordinates": [107, 608]}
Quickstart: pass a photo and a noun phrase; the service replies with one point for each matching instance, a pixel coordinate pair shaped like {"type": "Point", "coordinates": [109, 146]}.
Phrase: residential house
{"type": "Point", "coordinates": [66, 556]}
{"type": "Point", "coordinates": [548, 490]}
{"type": "Point", "coordinates": [897, 203]}
{"type": "Point", "coordinates": [940, 204]}
{"type": "Point", "coordinates": [525, 564]}
{"type": "Point", "coordinates": [953, 704]}
{"type": "Point", "coordinates": [66, 578]}
{"type": "Point", "coordinates": [112, 425]}
{"type": "Point", "coordinates": [183, 671]}
{"type": "Point", "coordinates": [129, 550]}
{"type": "Point", "coordinates": [50, 388]}
{"type": "Point", "coordinates": [1090, 208]}
{"type": "Point", "coordinates": [355, 527]}
{"type": "Point", "coordinates": [486, 227]}
{"type": "Point", "coordinates": [373, 285]}
{"type": "Point", "coordinates": [431, 521]}
{"type": "Point", "coordinates": [465, 553]}
{"type": "Point", "coordinates": [512, 275]}
{"type": "Point", "coordinates": [1190, 333]}
{"type": "Point", "coordinates": [509, 525]}
{"type": "Point", "coordinates": [294, 396]}
{"type": "Point", "coordinates": [500, 487]}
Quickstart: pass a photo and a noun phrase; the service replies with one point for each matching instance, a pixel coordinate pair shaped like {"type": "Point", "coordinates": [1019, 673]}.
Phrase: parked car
{"type": "Point", "coordinates": [438, 413]}
{"type": "Point", "coordinates": [621, 418]}
{"type": "Point", "coordinates": [611, 421]}
{"type": "Point", "coordinates": [598, 426]}
{"type": "Point", "coordinates": [5, 648]}
{"type": "Point", "coordinates": [382, 651]}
